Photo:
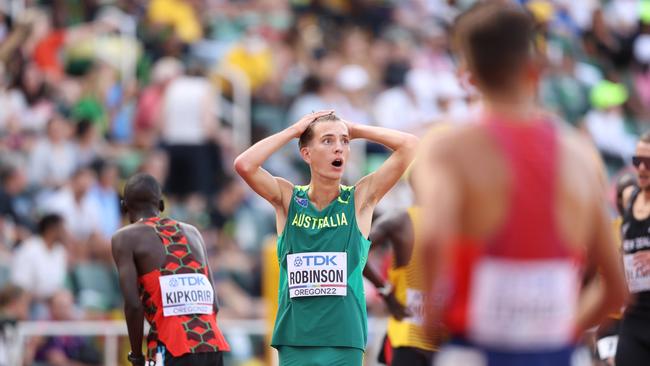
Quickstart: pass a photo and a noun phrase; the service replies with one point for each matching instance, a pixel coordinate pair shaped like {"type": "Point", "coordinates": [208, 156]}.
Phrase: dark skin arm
{"type": "Point", "coordinates": [128, 274]}
{"type": "Point", "coordinates": [396, 230]}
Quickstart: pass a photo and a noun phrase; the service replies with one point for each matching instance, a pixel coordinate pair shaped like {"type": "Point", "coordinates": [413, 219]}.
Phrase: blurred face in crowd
{"type": "Point", "coordinates": [57, 232]}
{"type": "Point", "coordinates": [32, 79]}
{"type": "Point", "coordinates": [17, 182]}
{"type": "Point", "coordinates": [61, 306]}
{"type": "Point", "coordinates": [328, 150]}
{"type": "Point", "coordinates": [108, 176]}
{"type": "Point", "coordinates": [57, 130]}
{"type": "Point", "coordinates": [642, 164]}
{"type": "Point", "coordinates": [82, 181]}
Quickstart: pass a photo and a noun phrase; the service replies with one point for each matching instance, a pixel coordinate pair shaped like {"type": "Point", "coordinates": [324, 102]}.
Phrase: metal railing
{"type": "Point", "coordinates": [111, 330]}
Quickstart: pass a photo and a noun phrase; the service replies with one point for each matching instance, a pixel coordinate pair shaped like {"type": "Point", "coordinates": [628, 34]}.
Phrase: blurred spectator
{"type": "Point", "coordinates": [40, 263]}
{"type": "Point", "coordinates": [14, 307]}
{"type": "Point", "coordinates": [53, 159]}
{"type": "Point", "coordinates": [189, 123]}
{"type": "Point", "coordinates": [147, 118]}
{"type": "Point", "coordinates": [66, 350]}
{"type": "Point", "coordinates": [563, 92]}
{"type": "Point", "coordinates": [87, 143]}
{"type": "Point", "coordinates": [105, 197]}
{"type": "Point", "coordinates": [607, 124]}
{"type": "Point", "coordinates": [80, 212]}
{"type": "Point", "coordinates": [13, 182]}
{"type": "Point", "coordinates": [28, 100]}
{"type": "Point", "coordinates": [354, 81]}
{"type": "Point", "coordinates": [397, 107]}
{"type": "Point", "coordinates": [180, 15]}
{"type": "Point", "coordinates": [310, 99]}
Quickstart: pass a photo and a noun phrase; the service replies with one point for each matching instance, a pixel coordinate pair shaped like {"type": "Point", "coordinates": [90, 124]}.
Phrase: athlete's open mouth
{"type": "Point", "coordinates": [337, 163]}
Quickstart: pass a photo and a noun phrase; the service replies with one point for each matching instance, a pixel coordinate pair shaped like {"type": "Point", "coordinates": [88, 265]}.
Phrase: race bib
{"type": "Point", "coordinates": [415, 306]}
{"type": "Point", "coordinates": [184, 294]}
{"type": "Point", "coordinates": [523, 305]}
{"type": "Point", "coordinates": [638, 280]}
{"type": "Point", "coordinates": [317, 274]}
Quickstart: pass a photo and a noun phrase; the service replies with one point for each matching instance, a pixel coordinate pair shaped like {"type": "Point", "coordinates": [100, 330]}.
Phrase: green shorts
{"type": "Point", "coordinates": [320, 356]}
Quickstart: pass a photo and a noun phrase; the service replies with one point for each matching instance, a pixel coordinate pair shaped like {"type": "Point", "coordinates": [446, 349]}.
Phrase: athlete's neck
{"type": "Point", "coordinates": [323, 192]}
{"type": "Point", "coordinates": [141, 215]}
{"type": "Point", "coordinates": [512, 107]}
{"type": "Point", "coordinates": [645, 192]}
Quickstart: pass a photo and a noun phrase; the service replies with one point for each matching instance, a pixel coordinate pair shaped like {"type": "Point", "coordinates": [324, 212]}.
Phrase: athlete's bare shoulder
{"type": "Point", "coordinates": [579, 152]}
{"type": "Point", "coordinates": [191, 231]}
{"type": "Point", "coordinates": [129, 233]}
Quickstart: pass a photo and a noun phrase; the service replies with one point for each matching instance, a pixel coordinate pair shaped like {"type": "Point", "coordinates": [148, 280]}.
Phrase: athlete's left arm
{"type": "Point", "coordinates": [371, 188]}
{"type": "Point", "coordinates": [121, 246]}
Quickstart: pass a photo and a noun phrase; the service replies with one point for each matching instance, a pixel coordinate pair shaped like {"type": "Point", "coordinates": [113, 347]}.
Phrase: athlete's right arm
{"type": "Point", "coordinates": [121, 247]}
{"type": "Point", "coordinates": [249, 164]}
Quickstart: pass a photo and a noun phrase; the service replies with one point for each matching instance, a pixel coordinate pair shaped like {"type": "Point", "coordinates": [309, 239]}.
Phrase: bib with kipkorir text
{"type": "Point", "coordinates": [184, 294]}
{"type": "Point", "coordinates": [317, 274]}
{"type": "Point", "coordinates": [523, 304]}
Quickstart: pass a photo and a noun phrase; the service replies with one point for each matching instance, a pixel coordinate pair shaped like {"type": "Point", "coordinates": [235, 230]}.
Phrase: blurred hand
{"type": "Point", "coordinates": [302, 124]}
{"type": "Point", "coordinates": [396, 309]}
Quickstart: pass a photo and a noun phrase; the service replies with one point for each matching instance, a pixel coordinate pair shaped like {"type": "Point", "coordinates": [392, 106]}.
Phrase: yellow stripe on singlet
{"type": "Point", "coordinates": [409, 285]}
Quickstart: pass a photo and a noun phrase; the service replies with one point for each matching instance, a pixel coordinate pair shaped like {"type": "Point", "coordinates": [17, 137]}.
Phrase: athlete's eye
{"type": "Point", "coordinates": [346, 141]}
{"type": "Point", "coordinates": [327, 141]}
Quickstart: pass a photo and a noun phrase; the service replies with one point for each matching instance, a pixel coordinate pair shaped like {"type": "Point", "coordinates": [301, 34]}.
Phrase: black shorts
{"type": "Point", "coordinates": [191, 359]}
{"type": "Point", "coordinates": [409, 356]}
{"type": "Point", "coordinates": [403, 356]}
{"type": "Point", "coordinates": [633, 342]}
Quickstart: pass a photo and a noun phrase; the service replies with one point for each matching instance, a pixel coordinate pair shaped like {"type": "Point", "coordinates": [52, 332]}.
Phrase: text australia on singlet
{"type": "Point", "coordinates": [317, 273]}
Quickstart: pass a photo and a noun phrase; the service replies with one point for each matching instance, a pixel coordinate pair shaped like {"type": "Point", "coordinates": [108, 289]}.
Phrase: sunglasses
{"type": "Point", "coordinates": [637, 160]}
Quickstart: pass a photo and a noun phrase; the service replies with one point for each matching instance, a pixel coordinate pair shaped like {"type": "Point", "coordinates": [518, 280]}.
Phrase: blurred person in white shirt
{"type": "Point", "coordinates": [81, 215]}
{"type": "Point", "coordinates": [189, 124]}
{"type": "Point", "coordinates": [399, 107]}
{"type": "Point", "coordinates": [53, 159]}
{"type": "Point", "coordinates": [39, 265]}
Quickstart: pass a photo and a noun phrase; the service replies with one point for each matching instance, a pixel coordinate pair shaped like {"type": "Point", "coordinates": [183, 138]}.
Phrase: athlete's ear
{"type": "Point", "coordinates": [305, 154]}
{"type": "Point", "coordinates": [161, 205]}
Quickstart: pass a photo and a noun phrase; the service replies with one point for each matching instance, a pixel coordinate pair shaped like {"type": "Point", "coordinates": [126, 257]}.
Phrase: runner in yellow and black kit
{"type": "Point", "coordinates": [404, 289]}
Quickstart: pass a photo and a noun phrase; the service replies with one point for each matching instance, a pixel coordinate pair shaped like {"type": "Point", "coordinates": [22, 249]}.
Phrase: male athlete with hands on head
{"type": "Point", "coordinates": [322, 235]}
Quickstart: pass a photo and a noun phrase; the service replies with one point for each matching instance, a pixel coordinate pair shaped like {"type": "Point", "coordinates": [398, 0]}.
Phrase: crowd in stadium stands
{"type": "Point", "coordinates": [94, 91]}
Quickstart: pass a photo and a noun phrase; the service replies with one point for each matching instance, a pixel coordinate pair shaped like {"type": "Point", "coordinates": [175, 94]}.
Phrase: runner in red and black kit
{"type": "Point", "coordinates": [634, 337]}
{"type": "Point", "coordinates": [165, 278]}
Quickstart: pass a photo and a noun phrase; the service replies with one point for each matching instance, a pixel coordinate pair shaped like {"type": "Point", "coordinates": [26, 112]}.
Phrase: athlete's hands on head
{"type": "Point", "coordinates": [351, 129]}
{"type": "Point", "coordinates": [302, 124]}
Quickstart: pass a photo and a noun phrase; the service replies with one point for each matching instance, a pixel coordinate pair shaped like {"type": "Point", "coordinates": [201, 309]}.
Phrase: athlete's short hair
{"type": "Point", "coordinates": [308, 135]}
{"type": "Point", "coordinates": [495, 40]}
{"type": "Point", "coordinates": [142, 191]}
